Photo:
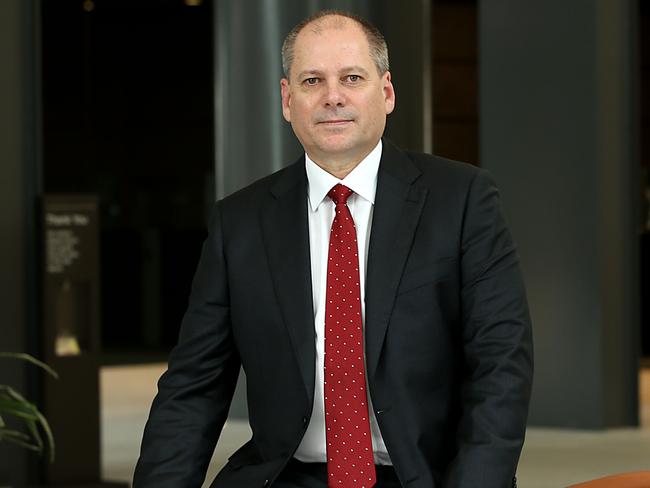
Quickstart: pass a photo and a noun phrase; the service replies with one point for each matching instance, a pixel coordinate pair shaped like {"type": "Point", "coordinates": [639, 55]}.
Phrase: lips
{"type": "Point", "coordinates": [335, 122]}
{"type": "Point", "coordinates": [333, 119]}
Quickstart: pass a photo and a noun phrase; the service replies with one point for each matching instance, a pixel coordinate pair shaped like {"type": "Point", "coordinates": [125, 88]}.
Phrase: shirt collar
{"type": "Point", "coordinates": [362, 180]}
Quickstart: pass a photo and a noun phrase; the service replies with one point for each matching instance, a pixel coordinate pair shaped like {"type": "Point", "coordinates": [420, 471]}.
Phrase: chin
{"type": "Point", "coordinates": [336, 145]}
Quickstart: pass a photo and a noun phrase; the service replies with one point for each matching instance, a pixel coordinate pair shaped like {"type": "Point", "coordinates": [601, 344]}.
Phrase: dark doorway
{"type": "Point", "coordinates": [644, 116]}
{"type": "Point", "coordinates": [128, 116]}
{"type": "Point", "coordinates": [455, 79]}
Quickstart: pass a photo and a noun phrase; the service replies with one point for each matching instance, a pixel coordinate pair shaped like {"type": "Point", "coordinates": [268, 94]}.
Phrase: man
{"type": "Point", "coordinates": [372, 296]}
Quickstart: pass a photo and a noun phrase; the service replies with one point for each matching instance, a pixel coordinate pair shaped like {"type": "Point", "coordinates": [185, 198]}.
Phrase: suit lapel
{"type": "Point", "coordinates": [398, 205]}
{"type": "Point", "coordinates": [286, 236]}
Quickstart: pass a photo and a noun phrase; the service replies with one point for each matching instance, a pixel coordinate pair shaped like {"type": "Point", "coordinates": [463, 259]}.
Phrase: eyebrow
{"type": "Point", "coordinates": [347, 70]}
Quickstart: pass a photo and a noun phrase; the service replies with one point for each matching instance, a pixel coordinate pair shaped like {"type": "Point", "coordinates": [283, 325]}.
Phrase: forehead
{"type": "Point", "coordinates": [331, 37]}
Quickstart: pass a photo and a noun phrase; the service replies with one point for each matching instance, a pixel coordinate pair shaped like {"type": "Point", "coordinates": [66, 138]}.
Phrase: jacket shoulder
{"type": "Point", "coordinates": [257, 192]}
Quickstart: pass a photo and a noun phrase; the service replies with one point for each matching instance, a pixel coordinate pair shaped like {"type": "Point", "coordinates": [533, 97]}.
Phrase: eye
{"type": "Point", "coordinates": [311, 81]}
{"type": "Point", "coordinates": [353, 78]}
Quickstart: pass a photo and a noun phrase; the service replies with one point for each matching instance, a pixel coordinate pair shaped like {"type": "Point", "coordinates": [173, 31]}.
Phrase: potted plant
{"type": "Point", "coordinates": [37, 435]}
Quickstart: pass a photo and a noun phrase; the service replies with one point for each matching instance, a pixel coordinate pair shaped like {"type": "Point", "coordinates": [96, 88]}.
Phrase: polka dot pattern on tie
{"type": "Point", "coordinates": [350, 461]}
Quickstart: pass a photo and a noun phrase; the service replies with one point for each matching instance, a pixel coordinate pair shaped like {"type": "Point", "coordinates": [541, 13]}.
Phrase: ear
{"type": "Point", "coordinates": [389, 92]}
{"type": "Point", "coordinates": [286, 99]}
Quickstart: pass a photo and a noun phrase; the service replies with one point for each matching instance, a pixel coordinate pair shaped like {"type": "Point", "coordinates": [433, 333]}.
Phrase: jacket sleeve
{"type": "Point", "coordinates": [496, 344]}
{"type": "Point", "coordinates": [195, 392]}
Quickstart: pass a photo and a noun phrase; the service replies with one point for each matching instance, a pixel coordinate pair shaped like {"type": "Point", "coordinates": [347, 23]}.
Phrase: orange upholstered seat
{"type": "Point", "coordinates": [638, 479]}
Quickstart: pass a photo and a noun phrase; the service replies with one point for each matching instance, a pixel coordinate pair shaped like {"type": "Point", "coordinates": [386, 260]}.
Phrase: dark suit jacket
{"type": "Point", "coordinates": [447, 330]}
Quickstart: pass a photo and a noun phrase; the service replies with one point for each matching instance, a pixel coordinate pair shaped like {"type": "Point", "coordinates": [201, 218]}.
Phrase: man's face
{"type": "Point", "coordinates": [335, 99]}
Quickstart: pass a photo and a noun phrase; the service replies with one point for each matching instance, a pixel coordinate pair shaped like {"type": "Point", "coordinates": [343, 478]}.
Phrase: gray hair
{"type": "Point", "coordinates": [376, 41]}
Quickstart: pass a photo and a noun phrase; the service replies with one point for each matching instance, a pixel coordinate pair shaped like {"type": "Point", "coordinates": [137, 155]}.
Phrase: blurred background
{"type": "Point", "coordinates": [123, 120]}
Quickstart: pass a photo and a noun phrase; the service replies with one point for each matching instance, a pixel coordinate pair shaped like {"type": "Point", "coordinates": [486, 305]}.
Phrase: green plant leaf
{"type": "Point", "coordinates": [18, 411]}
{"type": "Point", "coordinates": [20, 438]}
{"type": "Point", "coordinates": [36, 435]}
{"type": "Point", "coordinates": [14, 434]}
{"type": "Point", "coordinates": [30, 359]}
{"type": "Point", "coordinates": [48, 434]}
{"type": "Point", "coordinates": [12, 403]}
{"type": "Point", "coordinates": [7, 391]}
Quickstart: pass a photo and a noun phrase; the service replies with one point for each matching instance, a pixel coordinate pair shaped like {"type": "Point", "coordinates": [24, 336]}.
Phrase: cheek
{"type": "Point", "coordinates": [378, 112]}
{"type": "Point", "coordinates": [301, 114]}
{"type": "Point", "coordinates": [293, 106]}
{"type": "Point", "coordinates": [296, 119]}
{"type": "Point", "coordinates": [300, 123]}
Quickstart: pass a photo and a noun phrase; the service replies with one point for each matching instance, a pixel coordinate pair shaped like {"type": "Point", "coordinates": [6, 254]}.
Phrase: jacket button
{"type": "Point", "coordinates": [266, 483]}
{"type": "Point", "coordinates": [305, 420]}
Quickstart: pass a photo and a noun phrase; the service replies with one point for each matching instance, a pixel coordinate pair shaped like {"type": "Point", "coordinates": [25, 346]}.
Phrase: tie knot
{"type": "Point", "coordinates": [340, 194]}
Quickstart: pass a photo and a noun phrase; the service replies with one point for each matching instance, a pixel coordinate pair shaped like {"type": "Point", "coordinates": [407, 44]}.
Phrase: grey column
{"type": "Point", "coordinates": [557, 129]}
{"type": "Point", "coordinates": [18, 182]}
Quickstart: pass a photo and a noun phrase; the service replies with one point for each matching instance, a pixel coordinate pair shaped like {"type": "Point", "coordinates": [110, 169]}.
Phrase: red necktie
{"type": "Point", "coordinates": [350, 461]}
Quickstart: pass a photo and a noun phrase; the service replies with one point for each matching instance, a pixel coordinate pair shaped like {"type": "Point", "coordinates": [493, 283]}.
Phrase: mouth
{"type": "Point", "coordinates": [335, 122]}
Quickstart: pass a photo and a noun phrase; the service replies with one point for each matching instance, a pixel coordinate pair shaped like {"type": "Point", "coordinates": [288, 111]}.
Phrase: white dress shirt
{"type": "Point", "coordinates": [362, 180]}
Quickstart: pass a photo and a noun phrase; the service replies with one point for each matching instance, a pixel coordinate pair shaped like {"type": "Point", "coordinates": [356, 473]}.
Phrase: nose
{"type": "Point", "coordinates": [334, 96]}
